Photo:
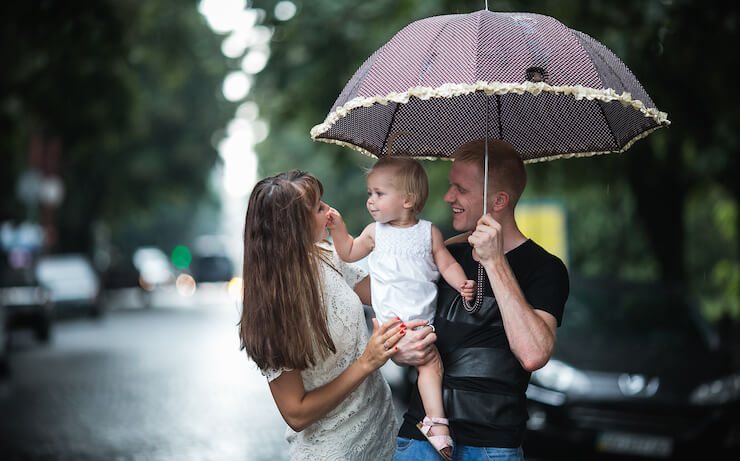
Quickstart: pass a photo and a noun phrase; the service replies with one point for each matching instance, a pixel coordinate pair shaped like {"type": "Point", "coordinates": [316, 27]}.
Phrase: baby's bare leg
{"type": "Point", "coordinates": [430, 389]}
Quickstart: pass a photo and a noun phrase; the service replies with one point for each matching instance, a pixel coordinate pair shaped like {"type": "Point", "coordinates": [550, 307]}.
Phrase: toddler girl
{"type": "Point", "coordinates": [407, 255]}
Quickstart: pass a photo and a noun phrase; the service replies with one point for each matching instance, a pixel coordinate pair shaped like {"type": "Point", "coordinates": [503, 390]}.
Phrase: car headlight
{"type": "Point", "coordinates": [558, 376]}
{"type": "Point", "coordinates": [717, 392]}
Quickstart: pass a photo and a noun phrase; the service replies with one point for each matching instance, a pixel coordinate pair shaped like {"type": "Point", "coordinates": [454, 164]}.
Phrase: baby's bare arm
{"type": "Point", "coordinates": [348, 248]}
{"type": "Point", "coordinates": [449, 268]}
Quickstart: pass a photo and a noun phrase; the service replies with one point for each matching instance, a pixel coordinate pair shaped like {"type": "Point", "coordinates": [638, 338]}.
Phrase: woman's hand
{"type": "Point", "coordinates": [382, 343]}
{"type": "Point", "coordinates": [416, 347]}
{"type": "Point", "coordinates": [301, 408]}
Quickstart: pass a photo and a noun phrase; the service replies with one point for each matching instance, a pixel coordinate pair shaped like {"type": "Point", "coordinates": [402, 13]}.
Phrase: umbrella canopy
{"type": "Point", "coordinates": [527, 79]}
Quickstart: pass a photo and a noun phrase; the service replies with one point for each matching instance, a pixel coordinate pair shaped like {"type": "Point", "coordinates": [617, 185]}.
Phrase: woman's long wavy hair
{"type": "Point", "coordinates": [283, 322]}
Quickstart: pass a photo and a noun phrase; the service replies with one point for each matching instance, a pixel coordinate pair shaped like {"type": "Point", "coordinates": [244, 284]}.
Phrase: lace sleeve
{"type": "Point", "coordinates": [272, 374]}
{"type": "Point", "coordinates": [352, 273]}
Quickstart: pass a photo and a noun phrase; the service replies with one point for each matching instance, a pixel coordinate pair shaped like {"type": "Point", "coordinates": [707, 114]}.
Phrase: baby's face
{"type": "Point", "coordinates": [385, 201]}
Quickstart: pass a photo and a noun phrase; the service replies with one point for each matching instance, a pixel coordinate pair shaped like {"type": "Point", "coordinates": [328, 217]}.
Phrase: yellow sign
{"type": "Point", "coordinates": [545, 222]}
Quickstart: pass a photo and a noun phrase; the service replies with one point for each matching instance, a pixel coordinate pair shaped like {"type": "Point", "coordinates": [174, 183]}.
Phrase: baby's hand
{"type": "Point", "coordinates": [334, 219]}
{"type": "Point", "coordinates": [467, 290]}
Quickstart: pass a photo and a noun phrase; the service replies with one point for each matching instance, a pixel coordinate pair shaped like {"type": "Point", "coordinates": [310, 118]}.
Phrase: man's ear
{"type": "Point", "coordinates": [500, 200]}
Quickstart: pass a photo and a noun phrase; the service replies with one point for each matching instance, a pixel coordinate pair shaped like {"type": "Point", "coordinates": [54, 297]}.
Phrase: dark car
{"type": "Point", "coordinates": [212, 268]}
{"type": "Point", "coordinates": [4, 347]}
{"type": "Point", "coordinates": [25, 303]}
{"type": "Point", "coordinates": [636, 371]}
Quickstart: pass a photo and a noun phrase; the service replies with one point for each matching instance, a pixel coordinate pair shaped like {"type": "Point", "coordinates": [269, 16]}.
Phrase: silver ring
{"type": "Point", "coordinates": [384, 346]}
{"type": "Point", "coordinates": [431, 326]}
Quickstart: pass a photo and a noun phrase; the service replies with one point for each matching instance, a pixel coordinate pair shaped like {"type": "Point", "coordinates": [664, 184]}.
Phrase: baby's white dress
{"type": "Point", "coordinates": [363, 426]}
{"type": "Point", "coordinates": [403, 273]}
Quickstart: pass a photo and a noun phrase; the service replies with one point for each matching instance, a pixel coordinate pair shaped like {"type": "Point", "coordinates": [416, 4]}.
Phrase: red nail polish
{"type": "Point", "coordinates": [398, 318]}
{"type": "Point", "coordinates": [396, 348]}
{"type": "Point", "coordinates": [403, 325]}
{"type": "Point", "coordinates": [401, 331]}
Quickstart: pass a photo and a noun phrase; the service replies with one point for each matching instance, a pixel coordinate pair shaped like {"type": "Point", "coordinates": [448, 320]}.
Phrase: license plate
{"type": "Point", "coordinates": [635, 444]}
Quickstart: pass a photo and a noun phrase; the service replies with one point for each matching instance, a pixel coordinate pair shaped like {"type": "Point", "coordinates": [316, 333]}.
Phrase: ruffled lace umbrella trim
{"type": "Point", "coordinates": [451, 90]}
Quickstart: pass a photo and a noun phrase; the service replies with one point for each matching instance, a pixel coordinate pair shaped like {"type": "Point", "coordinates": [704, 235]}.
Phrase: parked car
{"type": "Point", "coordinates": [25, 303]}
{"type": "Point", "coordinates": [73, 284]}
{"type": "Point", "coordinates": [154, 267]}
{"type": "Point", "coordinates": [636, 371]}
{"type": "Point", "coordinates": [4, 347]}
{"type": "Point", "coordinates": [121, 273]}
{"type": "Point", "coordinates": [154, 271]}
{"type": "Point", "coordinates": [212, 268]}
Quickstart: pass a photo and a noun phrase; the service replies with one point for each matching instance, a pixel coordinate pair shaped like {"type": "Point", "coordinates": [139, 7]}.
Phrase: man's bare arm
{"type": "Point", "coordinates": [530, 332]}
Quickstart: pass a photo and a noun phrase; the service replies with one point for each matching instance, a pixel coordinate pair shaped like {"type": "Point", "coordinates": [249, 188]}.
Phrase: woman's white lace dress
{"type": "Point", "coordinates": [363, 426]}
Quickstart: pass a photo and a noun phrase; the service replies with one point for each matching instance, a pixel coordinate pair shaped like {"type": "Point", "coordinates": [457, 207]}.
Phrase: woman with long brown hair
{"type": "Point", "coordinates": [303, 325]}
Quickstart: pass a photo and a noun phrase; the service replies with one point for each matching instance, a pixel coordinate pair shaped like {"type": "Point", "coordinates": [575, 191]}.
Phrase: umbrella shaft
{"type": "Point", "coordinates": [485, 178]}
{"type": "Point", "coordinates": [485, 161]}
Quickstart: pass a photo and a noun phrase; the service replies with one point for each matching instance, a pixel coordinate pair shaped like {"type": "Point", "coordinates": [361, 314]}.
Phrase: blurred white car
{"type": "Point", "coordinates": [154, 267]}
{"type": "Point", "coordinates": [73, 284]}
{"type": "Point", "coordinates": [155, 271]}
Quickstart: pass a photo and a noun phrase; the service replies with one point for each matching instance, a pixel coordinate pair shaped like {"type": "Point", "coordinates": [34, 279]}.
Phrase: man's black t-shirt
{"type": "Point", "coordinates": [484, 384]}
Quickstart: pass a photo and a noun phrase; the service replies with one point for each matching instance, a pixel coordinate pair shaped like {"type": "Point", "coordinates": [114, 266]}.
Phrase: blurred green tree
{"type": "Point", "coordinates": [131, 90]}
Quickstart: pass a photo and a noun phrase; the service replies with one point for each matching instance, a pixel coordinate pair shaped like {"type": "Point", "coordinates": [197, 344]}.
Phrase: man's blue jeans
{"type": "Point", "coordinates": [417, 450]}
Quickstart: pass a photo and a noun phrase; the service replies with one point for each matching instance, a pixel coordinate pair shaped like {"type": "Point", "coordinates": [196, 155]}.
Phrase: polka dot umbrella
{"type": "Point", "coordinates": [527, 79]}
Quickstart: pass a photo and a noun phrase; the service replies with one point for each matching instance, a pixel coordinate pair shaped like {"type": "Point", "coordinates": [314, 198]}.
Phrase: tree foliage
{"type": "Point", "coordinates": [132, 92]}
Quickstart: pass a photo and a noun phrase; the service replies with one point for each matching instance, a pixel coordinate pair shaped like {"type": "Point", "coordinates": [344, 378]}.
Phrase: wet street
{"type": "Point", "coordinates": [166, 383]}
{"type": "Point", "coordinates": [157, 384]}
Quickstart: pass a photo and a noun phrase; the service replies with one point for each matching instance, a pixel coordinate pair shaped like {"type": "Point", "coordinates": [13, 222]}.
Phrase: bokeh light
{"type": "Point", "coordinates": [241, 174]}
{"type": "Point", "coordinates": [223, 15]}
{"type": "Point", "coordinates": [181, 257]}
{"type": "Point", "coordinates": [235, 289]}
{"type": "Point", "coordinates": [234, 45]}
{"type": "Point", "coordinates": [256, 59]}
{"type": "Point", "coordinates": [185, 285]}
{"type": "Point", "coordinates": [285, 10]}
{"type": "Point", "coordinates": [236, 86]}
{"type": "Point", "coordinates": [260, 35]}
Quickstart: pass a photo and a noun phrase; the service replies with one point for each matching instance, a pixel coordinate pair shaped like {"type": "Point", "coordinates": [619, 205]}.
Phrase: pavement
{"type": "Point", "coordinates": [160, 383]}
{"type": "Point", "coordinates": [166, 383]}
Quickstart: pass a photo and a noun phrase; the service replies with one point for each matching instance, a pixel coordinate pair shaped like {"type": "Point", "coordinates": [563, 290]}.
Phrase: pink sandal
{"type": "Point", "coordinates": [439, 442]}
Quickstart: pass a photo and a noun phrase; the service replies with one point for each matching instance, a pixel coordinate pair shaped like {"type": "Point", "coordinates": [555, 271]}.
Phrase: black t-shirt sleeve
{"type": "Point", "coordinates": [547, 287]}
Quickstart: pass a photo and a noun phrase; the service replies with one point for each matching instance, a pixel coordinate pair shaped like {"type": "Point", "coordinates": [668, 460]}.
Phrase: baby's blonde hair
{"type": "Point", "coordinates": [411, 178]}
